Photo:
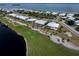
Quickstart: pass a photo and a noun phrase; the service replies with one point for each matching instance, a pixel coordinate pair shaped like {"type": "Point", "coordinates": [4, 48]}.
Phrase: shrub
{"type": "Point", "coordinates": [77, 28]}
{"type": "Point", "coordinates": [70, 22]}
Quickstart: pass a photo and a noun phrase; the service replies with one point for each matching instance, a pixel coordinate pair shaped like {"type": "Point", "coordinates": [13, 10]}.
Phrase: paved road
{"type": "Point", "coordinates": [70, 28]}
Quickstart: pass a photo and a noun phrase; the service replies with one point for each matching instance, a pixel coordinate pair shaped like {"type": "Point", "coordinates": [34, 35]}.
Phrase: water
{"type": "Point", "coordinates": [65, 7]}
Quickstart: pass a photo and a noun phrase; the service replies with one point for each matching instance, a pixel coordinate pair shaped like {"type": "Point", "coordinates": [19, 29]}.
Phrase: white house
{"type": "Point", "coordinates": [77, 22]}
{"type": "Point", "coordinates": [54, 13]}
{"type": "Point", "coordinates": [13, 15]}
{"type": "Point", "coordinates": [70, 15]}
{"type": "Point", "coordinates": [18, 16]}
{"type": "Point", "coordinates": [53, 25]}
{"type": "Point", "coordinates": [48, 12]}
{"type": "Point", "coordinates": [41, 22]}
{"type": "Point", "coordinates": [62, 14]}
{"type": "Point", "coordinates": [22, 17]}
{"type": "Point", "coordinates": [64, 17]}
{"type": "Point", "coordinates": [31, 20]}
{"type": "Point", "coordinates": [71, 18]}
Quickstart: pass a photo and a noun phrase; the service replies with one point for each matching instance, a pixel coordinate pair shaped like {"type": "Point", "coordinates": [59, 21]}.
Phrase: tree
{"type": "Point", "coordinates": [70, 22]}
{"type": "Point", "coordinates": [77, 28]}
{"type": "Point", "coordinates": [60, 29]}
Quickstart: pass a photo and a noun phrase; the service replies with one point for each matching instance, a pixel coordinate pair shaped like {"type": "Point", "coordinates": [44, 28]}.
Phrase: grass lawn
{"type": "Point", "coordinates": [39, 44]}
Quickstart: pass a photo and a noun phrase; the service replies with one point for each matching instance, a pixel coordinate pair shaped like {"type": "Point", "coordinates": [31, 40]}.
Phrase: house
{"type": "Point", "coordinates": [54, 13]}
{"type": "Point", "coordinates": [53, 25]}
{"type": "Point", "coordinates": [62, 14]}
{"type": "Point", "coordinates": [18, 16]}
{"type": "Point", "coordinates": [64, 17]}
{"type": "Point", "coordinates": [12, 15]}
{"type": "Point", "coordinates": [31, 20]}
{"type": "Point", "coordinates": [71, 18]}
{"type": "Point", "coordinates": [77, 22]}
{"type": "Point", "coordinates": [22, 17]}
{"type": "Point", "coordinates": [41, 22]}
{"type": "Point", "coordinates": [48, 12]}
{"type": "Point", "coordinates": [70, 15]}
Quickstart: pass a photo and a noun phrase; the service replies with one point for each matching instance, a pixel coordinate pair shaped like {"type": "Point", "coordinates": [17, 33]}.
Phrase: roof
{"type": "Point", "coordinates": [22, 17]}
{"type": "Point", "coordinates": [41, 22]}
{"type": "Point", "coordinates": [71, 18]}
{"type": "Point", "coordinates": [64, 17]}
{"type": "Point", "coordinates": [31, 20]}
{"type": "Point", "coordinates": [62, 14]}
{"type": "Point", "coordinates": [48, 12]}
{"type": "Point", "coordinates": [53, 25]}
{"type": "Point", "coordinates": [70, 15]}
{"type": "Point", "coordinates": [18, 16]}
{"type": "Point", "coordinates": [14, 15]}
{"type": "Point", "coordinates": [77, 22]}
{"type": "Point", "coordinates": [54, 13]}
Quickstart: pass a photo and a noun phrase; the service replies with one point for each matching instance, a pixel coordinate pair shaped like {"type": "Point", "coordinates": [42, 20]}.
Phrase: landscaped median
{"type": "Point", "coordinates": [39, 44]}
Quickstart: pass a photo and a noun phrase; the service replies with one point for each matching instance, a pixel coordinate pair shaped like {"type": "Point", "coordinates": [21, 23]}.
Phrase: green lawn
{"type": "Point", "coordinates": [39, 44]}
